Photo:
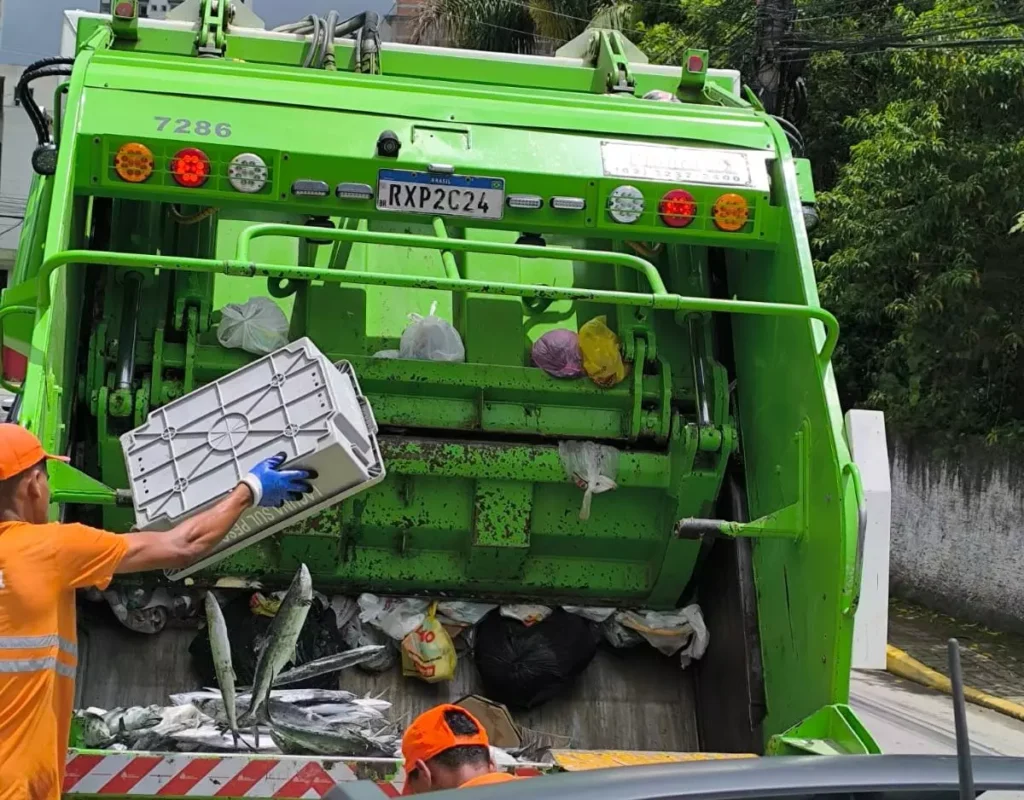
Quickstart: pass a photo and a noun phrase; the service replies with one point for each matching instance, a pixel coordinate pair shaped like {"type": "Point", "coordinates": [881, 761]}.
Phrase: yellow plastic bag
{"type": "Point", "coordinates": [602, 360]}
{"type": "Point", "coordinates": [428, 652]}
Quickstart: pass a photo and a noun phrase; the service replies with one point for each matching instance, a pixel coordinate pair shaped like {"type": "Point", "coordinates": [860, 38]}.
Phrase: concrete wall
{"type": "Point", "coordinates": [958, 531]}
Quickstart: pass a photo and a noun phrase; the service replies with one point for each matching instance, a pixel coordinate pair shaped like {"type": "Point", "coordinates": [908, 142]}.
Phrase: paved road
{"type": "Point", "coordinates": [907, 718]}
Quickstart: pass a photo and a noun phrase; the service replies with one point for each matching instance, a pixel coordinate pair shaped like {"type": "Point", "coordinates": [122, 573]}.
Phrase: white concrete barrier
{"type": "Point", "coordinates": [865, 434]}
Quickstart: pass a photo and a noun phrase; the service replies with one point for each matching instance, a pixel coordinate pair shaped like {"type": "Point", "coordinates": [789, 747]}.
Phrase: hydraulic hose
{"type": "Point", "coordinates": [323, 33]}
{"type": "Point", "coordinates": [44, 68]}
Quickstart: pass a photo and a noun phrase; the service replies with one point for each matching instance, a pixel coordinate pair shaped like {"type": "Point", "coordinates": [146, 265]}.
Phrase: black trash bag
{"type": "Point", "coordinates": [319, 637]}
{"type": "Point", "coordinates": [522, 666]}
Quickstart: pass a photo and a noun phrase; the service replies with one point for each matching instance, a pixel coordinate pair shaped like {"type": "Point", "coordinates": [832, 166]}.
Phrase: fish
{"type": "Point", "coordinates": [214, 709]}
{"type": "Point", "coordinates": [282, 636]}
{"type": "Point", "coordinates": [328, 741]}
{"type": "Point", "coordinates": [133, 718]}
{"type": "Point", "coordinates": [295, 696]}
{"type": "Point", "coordinates": [343, 709]}
{"type": "Point", "coordinates": [177, 718]}
{"type": "Point", "coordinates": [329, 664]}
{"type": "Point", "coordinates": [220, 649]}
{"type": "Point", "coordinates": [210, 736]}
{"type": "Point", "coordinates": [94, 731]}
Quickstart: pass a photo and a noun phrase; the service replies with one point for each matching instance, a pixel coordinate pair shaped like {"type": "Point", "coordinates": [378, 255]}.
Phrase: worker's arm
{"type": "Point", "coordinates": [265, 485]}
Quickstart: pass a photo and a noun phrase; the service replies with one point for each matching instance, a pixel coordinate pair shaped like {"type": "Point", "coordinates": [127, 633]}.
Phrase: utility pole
{"type": "Point", "coordinates": [773, 22]}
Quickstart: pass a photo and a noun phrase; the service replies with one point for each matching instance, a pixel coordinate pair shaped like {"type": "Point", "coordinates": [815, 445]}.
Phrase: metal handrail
{"type": "Point", "coordinates": [659, 299]}
{"type": "Point", "coordinates": [446, 243]}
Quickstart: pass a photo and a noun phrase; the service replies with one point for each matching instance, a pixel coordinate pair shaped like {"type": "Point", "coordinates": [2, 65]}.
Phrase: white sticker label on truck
{"type": "Point", "coordinates": [669, 164]}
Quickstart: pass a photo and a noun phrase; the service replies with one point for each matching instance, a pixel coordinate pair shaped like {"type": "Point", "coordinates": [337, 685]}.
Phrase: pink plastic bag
{"type": "Point", "coordinates": [558, 353]}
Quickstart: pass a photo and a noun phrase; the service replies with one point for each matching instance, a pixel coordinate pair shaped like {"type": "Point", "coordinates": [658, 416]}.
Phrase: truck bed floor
{"type": "Point", "coordinates": [625, 700]}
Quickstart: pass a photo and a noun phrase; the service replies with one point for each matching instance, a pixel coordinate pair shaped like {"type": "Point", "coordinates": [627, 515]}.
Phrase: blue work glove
{"type": "Point", "coordinates": [272, 487]}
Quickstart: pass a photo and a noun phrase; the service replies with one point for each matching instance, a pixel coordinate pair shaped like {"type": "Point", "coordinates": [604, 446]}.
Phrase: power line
{"type": "Point", "coordinates": [952, 44]}
{"type": "Point", "coordinates": [8, 230]}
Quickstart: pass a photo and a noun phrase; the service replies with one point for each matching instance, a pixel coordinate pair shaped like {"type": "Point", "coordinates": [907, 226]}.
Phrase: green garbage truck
{"type": "Point", "coordinates": [202, 161]}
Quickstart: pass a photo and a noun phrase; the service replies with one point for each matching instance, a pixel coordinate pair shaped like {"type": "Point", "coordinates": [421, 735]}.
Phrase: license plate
{"type": "Point", "coordinates": [440, 195]}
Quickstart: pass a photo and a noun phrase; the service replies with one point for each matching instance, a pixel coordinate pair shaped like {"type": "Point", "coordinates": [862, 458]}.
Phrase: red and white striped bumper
{"type": "Point", "coordinates": [184, 775]}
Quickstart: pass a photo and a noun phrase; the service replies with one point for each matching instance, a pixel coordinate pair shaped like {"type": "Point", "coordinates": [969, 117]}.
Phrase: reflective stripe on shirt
{"type": "Point", "coordinates": [30, 642]}
{"type": "Point", "coordinates": [24, 665]}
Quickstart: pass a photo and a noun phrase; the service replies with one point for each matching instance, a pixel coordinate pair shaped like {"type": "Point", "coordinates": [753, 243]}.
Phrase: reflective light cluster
{"type": "Point", "coordinates": [678, 208]}
{"type": "Point", "coordinates": [191, 168]}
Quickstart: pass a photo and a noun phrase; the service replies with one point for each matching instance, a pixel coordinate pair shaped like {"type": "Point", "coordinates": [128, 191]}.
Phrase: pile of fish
{"type": "Point", "coordinates": [262, 718]}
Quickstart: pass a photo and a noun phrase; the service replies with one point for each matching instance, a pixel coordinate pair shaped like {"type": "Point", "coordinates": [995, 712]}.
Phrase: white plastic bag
{"type": "Point", "coordinates": [526, 613]}
{"type": "Point", "coordinates": [463, 612]}
{"type": "Point", "coordinates": [396, 616]}
{"type": "Point", "coordinates": [593, 613]}
{"type": "Point", "coordinates": [431, 338]}
{"type": "Point", "coordinates": [257, 326]}
{"type": "Point", "coordinates": [670, 631]}
{"type": "Point", "coordinates": [592, 466]}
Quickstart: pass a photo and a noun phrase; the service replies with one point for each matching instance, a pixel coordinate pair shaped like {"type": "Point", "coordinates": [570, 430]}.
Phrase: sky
{"type": "Point", "coordinates": [30, 29]}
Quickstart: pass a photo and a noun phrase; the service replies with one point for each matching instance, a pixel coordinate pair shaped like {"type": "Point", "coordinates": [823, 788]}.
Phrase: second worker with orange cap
{"type": "Point", "coordinates": [447, 748]}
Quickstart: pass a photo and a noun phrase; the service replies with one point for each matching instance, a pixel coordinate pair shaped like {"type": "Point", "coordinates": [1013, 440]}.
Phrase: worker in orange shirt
{"type": "Point", "coordinates": [447, 748]}
{"type": "Point", "coordinates": [41, 565]}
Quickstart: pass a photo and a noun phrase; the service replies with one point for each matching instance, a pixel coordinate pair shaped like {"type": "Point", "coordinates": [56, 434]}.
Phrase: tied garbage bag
{"type": "Point", "coordinates": [431, 338]}
{"type": "Point", "coordinates": [601, 357]}
{"type": "Point", "coordinates": [428, 652]}
{"type": "Point", "coordinates": [522, 666]}
{"type": "Point", "coordinates": [592, 466]}
{"type": "Point", "coordinates": [256, 326]}
{"type": "Point", "coordinates": [558, 354]}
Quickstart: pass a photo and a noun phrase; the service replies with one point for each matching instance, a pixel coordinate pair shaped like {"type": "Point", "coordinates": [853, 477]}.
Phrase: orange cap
{"type": "Point", "coordinates": [19, 450]}
{"type": "Point", "coordinates": [429, 735]}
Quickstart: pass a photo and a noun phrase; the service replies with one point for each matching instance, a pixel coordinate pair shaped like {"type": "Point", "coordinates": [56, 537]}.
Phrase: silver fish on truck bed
{"type": "Point", "coordinates": [282, 637]}
{"type": "Point", "coordinates": [295, 696]}
{"type": "Point", "coordinates": [334, 740]}
{"type": "Point", "coordinates": [329, 664]}
{"type": "Point", "coordinates": [220, 650]}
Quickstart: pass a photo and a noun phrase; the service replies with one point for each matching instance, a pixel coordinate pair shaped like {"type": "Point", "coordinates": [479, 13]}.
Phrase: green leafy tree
{"type": "Point", "coordinates": [513, 26]}
{"type": "Point", "coordinates": [917, 258]}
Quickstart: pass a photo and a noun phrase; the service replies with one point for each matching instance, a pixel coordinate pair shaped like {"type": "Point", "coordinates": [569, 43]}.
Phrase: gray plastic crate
{"type": "Point", "coordinates": [194, 451]}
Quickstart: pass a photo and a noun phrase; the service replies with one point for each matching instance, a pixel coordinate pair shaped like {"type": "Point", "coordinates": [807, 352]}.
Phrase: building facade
{"type": "Point", "coordinates": [402, 19]}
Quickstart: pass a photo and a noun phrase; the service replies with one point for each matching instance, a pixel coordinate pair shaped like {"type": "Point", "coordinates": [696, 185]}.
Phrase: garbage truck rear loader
{"type": "Point", "coordinates": [201, 161]}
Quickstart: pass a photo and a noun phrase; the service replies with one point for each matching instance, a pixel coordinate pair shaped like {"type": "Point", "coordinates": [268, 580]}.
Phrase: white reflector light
{"type": "Point", "coordinates": [247, 173]}
{"type": "Point", "coordinates": [625, 204]}
{"type": "Point", "coordinates": [524, 201]}
{"type": "Point", "coordinates": [568, 203]}
{"type": "Point", "coordinates": [354, 191]}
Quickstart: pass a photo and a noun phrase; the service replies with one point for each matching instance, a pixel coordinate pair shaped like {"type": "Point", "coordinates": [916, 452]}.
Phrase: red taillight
{"type": "Point", "coordinates": [677, 208]}
{"type": "Point", "coordinates": [190, 167]}
{"type": "Point", "coordinates": [695, 64]}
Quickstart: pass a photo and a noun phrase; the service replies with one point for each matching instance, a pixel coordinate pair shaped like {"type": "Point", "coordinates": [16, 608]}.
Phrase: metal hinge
{"type": "Point", "coordinates": [789, 522]}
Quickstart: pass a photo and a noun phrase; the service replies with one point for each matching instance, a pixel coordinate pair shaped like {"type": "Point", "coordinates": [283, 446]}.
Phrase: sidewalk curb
{"type": "Point", "coordinates": [899, 663]}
